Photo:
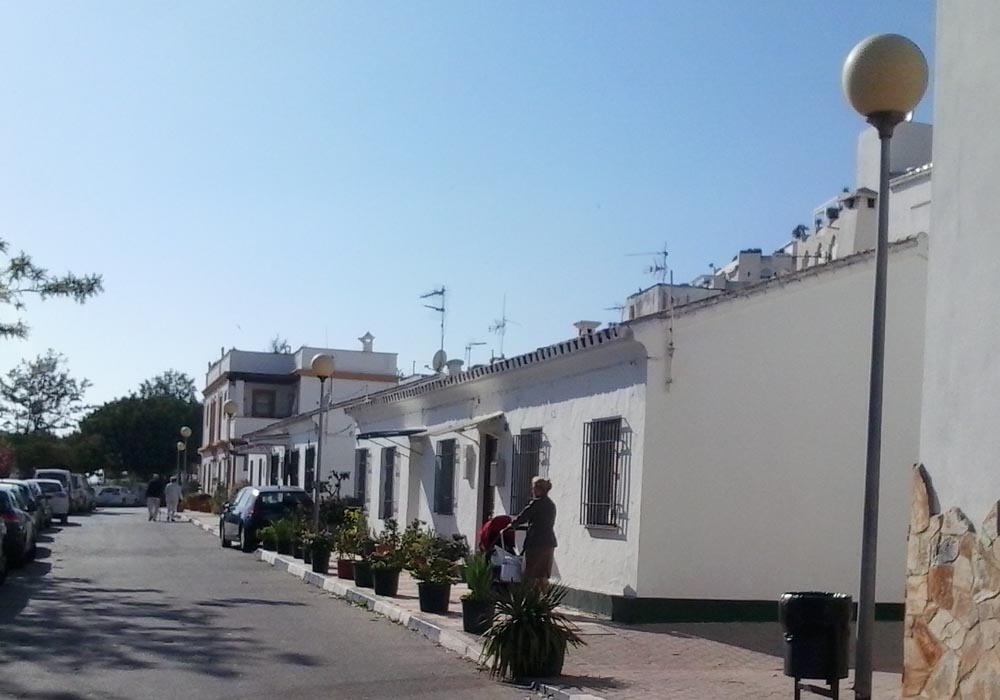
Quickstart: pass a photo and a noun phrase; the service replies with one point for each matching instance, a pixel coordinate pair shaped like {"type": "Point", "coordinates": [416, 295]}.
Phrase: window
{"type": "Point", "coordinates": [444, 478]}
{"type": "Point", "coordinates": [527, 453]}
{"type": "Point", "coordinates": [871, 202]}
{"type": "Point", "coordinates": [273, 477]}
{"type": "Point", "coordinates": [263, 403]}
{"type": "Point", "coordinates": [601, 464]}
{"type": "Point", "coordinates": [310, 468]}
{"type": "Point", "coordinates": [293, 469]}
{"type": "Point", "coordinates": [361, 474]}
{"type": "Point", "coordinates": [388, 477]}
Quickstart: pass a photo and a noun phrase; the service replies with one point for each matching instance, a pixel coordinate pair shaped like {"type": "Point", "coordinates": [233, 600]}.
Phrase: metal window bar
{"type": "Point", "coordinates": [527, 457]}
{"type": "Point", "coordinates": [600, 473]}
{"type": "Point", "coordinates": [361, 474]}
{"type": "Point", "coordinates": [310, 469]}
{"type": "Point", "coordinates": [273, 480]}
{"type": "Point", "coordinates": [388, 477]}
{"type": "Point", "coordinates": [293, 469]}
{"type": "Point", "coordinates": [444, 478]}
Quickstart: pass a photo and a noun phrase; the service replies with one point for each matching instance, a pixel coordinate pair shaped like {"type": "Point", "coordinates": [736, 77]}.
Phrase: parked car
{"type": "Point", "coordinates": [114, 496]}
{"type": "Point", "coordinates": [19, 540]}
{"type": "Point", "coordinates": [60, 475]}
{"type": "Point", "coordinates": [56, 496]}
{"type": "Point", "coordinates": [31, 502]}
{"type": "Point", "coordinates": [42, 500]}
{"type": "Point", "coordinates": [77, 494]}
{"type": "Point", "coordinates": [255, 507]}
{"type": "Point", "coordinates": [3, 553]}
{"type": "Point", "coordinates": [90, 496]}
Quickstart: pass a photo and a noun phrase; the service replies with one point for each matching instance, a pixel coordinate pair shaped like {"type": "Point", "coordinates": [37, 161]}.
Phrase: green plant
{"type": "Point", "coordinates": [322, 542]}
{"type": "Point", "coordinates": [428, 558]}
{"type": "Point", "coordinates": [528, 634]}
{"type": "Point", "coordinates": [388, 554]}
{"type": "Point", "coordinates": [284, 531]}
{"type": "Point", "coordinates": [479, 578]}
{"type": "Point", "coordinates": [349, 534]}
{"type": "Point", "coordinates": [268, 536]}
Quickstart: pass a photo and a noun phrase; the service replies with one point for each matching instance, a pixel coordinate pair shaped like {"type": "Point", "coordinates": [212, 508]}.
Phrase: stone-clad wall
{"type": "Point", "coordinates": [952, 634]}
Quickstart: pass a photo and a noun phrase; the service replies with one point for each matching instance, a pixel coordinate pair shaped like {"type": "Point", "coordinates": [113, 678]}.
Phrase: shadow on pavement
{"type": "Point", "coordinates": [239, 602]}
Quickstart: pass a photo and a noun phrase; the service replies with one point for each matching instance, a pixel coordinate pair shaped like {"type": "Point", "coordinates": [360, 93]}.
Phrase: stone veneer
{"type": "Point", "coordinates": [951, 645]}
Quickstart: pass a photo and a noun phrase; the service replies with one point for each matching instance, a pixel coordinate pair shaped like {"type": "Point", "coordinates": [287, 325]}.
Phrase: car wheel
{"type": "Point", "coordinates": [246, 544]}
{"type": "Point", "coordinates": [3, 568]}
{"type": "Point", "coordinates": [226, 544]}
{"type": "Point", "coordinates": [64, 519]}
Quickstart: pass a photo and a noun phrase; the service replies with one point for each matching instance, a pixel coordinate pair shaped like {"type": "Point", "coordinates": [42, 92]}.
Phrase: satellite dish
{"type": "Point", "coordinates": [440, 358]}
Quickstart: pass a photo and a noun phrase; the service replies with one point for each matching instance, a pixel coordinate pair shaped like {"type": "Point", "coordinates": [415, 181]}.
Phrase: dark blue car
{"type": "Point", "coordinates": [19, 541]}
{"type": "Point", "coordinates": [255, 507]}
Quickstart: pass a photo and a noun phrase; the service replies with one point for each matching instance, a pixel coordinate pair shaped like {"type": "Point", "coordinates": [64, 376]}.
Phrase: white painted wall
{"type": "Point", "coordinates": [910, 148]}
{"type": "Point", "coordinates": [960, 440]}
{"type": "Point", "coordinates": [754, 469]}
{"type": "Point", "coordinates": [558, 396]}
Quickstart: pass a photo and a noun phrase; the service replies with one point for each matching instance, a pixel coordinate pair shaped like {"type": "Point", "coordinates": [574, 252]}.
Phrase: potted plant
{"type": "Point", "coordinates": [478, 605]}
{"type": "Point", "coordinates": [387, 560]}
{"type": "Point", "coordinates": [321, 544]}
{"type": "Point", "coordinates": [268, 538]}
{"type": "Point", "coordinates": [284, 532]}
{"type": "Point", "coordinates": [304, 543]}
{"type": "Point", "coordinates": [348, 542]}
{"type": "Point", "coordinates": [363, 573]}
{"type": "Point", "coordinates": [528, 637]}
{"type": "Point", "coordinates": [299, 532]}
{"type": "Point", "coordinates": [429, 562]}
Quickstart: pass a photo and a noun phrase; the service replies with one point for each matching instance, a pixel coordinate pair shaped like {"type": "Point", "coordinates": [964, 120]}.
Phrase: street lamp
{"type": "Point", "coordinates": [884, 78]}
{"type": "Point", "coordinates": [185, 433]}
{"type": "Point", "coordinates": [180, 453]}
{"type": "Point", "coordinates": [323, 367]}
{"type": "Point", "coordinates": [230, 408]}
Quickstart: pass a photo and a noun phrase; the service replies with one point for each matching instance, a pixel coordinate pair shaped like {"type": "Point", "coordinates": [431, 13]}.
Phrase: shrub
{"type": "Point", "coordinates": [200, 502]}
{"type": "Point", "coordinates": [479, 578]}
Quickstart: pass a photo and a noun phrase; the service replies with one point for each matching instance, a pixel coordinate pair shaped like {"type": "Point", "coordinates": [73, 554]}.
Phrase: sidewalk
{"type": "Point", "coordinates": [692, 661]}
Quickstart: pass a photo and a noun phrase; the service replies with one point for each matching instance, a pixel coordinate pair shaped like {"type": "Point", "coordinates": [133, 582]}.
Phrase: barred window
{"type": "Point", "coordinates": [602, 448]}
{"type": "Point", "coordinates": [361, 474]}
{"type": "Point", "coordinates": [293, 469]}
{"type": "Point", "coordinates": [273, 480]}
{"type": "Point", "coordinates": [388, 485]}
{"type": "Point", "coordinates": [527, 457]}
{"type": "Point", "coordinates": [444, 478]}
{"type": "Point", "coordinates": [310, 469]}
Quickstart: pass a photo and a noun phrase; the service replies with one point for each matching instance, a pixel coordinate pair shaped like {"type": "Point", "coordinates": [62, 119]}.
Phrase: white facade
{"type": "Point", "coordinates": [274, 389]}
{"type": "Point", "coordinates": [960, 439]}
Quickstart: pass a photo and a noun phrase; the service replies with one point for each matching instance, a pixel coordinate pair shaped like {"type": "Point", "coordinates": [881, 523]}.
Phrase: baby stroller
{"type": "Point", "coordinates": [497, 542]}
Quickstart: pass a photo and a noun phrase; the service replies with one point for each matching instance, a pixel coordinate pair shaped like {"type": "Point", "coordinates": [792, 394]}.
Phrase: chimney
{"type": "Point", "coordinates": [366, 342]}
{"type": "Point", "coordinates": [585, 328]}
{"type": "Point", "coordinates": [454, 366]}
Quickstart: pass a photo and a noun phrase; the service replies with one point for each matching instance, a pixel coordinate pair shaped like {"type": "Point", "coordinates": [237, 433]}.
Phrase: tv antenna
{"type": "Point", "coordinates": [659, 267]}
{"type": "Point", "coordinates": [499, 326]}
{"type": "Point", "coordinates": [620, 308]}
{"type": "Point", "coordinates": [440, 309]}
{"type": "Point", "coordinates": [468, 350]}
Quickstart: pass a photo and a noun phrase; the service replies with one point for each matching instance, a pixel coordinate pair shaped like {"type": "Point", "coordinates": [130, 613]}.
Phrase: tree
{"type": "Point", "coordinates": [40, 396]}
{"type": "Point", "coordinates": [21, 277]}
{"type": "Point", "coordinates": [279, 345]}
{"type": "Point", "coordinates": [170, 384]}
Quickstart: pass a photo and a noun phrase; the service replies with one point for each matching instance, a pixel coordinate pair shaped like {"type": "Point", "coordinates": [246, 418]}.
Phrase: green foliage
{"type": "Point", "coordinates": [284, 530]}
{"type": "Point", "coordinates": [21, 277]}
{"type": "Point", "coordinates": [320, 542]}
{"type": "Point", "coordinates": [527, 632]}
{"type": "Point", "coordinates": [169, 385]}
{"type": "Point", "coordinates": [268, 537]}
{"type": "Point", "coordinates": [428, 557]}
{"type": "Point", "coordinates": [219, 499]}
{"type": "Point", "coordinates": [200, 502]}
{"type": "Point", "coordinates": [349, 533]}
{"type": "Point", "coordinates": [389, 554]}
{"type": "Point", "coordinates": [478, 577]}
{"type": "Point", "coordinates": [40, 396]}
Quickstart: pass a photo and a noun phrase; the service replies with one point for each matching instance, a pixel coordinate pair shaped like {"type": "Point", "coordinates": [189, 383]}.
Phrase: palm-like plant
{"type": "Point", "coordinates": [528, 637]}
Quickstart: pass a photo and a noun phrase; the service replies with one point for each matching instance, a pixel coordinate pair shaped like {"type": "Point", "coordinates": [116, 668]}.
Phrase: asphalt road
{"type": "Point", "coordinates": [120, 608]}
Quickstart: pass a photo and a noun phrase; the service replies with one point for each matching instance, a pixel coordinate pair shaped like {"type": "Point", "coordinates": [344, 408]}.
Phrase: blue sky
{"type": "Point", "coordinates": [241, 169]}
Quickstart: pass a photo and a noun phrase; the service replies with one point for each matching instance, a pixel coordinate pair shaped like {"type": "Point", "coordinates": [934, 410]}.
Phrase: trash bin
{"type": "Point", "coordinates": [817, 629]}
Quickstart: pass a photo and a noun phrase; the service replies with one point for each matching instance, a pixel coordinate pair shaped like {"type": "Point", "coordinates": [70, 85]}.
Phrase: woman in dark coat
{"type": "Point", "coordinates": [539, 517]}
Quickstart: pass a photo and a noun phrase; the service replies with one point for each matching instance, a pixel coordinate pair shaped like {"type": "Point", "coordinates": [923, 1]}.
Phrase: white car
{"type": "Point", "coordinates": [113, 496]}
{"type": "Point", "coordinates": [58, 498]}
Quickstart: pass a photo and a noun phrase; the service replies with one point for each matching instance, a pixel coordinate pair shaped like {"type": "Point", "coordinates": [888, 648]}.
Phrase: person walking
{"type": "Point", "coordinates": [539, 517]}
{"type": "Point", "coordinates": [172, 495]}
{"type": "Point", "coordinates": [154, 492]}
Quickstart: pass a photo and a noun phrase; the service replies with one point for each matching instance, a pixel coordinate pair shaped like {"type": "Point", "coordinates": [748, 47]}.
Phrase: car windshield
{"type": "Point", "coordinates": [50, 487]}
{"type": "Point", "coordinates": [283, 500]}
{"type": "Point", "coordinates": [13, 494]}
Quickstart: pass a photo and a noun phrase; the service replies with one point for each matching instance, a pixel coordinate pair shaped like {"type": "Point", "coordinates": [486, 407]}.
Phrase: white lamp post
{"type": "Point", "coordinates": [230, 408]}
{"type": "Point", "coordinates": [323, 367]}
{"type": "Point", "coordinates": [185, 434]}
{"type": "Point", "coordinates": [884, 78]}
{"type": "Point", "coordinates": [180, 454]}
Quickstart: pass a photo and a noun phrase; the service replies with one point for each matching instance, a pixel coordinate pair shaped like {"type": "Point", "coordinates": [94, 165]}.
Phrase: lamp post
{"type": "Point", "coordinates": [230, 408]}
{"type": "Point", "coordinates": [323, 367]}
{"type": "Point", "coordinates": [884, 78]}
{"type": "Point", "coordinates": [185, 434]}
{"type": "Point", "coordinates": [180, 454]}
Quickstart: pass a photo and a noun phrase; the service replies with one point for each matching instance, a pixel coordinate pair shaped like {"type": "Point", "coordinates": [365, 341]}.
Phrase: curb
{"type": "Point", "coordinates": [449, 640]}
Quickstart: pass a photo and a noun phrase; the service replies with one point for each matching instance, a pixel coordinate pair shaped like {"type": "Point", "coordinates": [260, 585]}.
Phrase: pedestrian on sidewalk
{"type": "Point", "coordinates": [154, 493]}
{"type": "Point", "coordinates": [539, 517]}
{"type": "Point", "coordinates": [172, 494]}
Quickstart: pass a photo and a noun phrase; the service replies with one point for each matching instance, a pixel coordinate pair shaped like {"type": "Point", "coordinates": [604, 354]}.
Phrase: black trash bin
{"type": "Point", "coordinates": [817, 629]}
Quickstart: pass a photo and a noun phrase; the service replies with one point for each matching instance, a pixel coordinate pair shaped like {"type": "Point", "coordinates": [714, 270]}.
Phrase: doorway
{"type": "Point", "coordinates": [490, 447]}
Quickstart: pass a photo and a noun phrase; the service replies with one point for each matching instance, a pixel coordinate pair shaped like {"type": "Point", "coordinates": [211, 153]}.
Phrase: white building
{"type": "Point", "coordinates": [660, 297]}
{"type": "Point", "coordinates": [277, 397]}
{"type": "Point", "coordinates": [694, 477]}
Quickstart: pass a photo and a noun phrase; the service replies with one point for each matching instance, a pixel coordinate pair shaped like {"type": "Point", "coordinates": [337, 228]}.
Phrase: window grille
{"type": "Point", "coordinates": [602, 443]}
{"type": "Point", "coordinates": [444, 478]}
{"type": "Point", "coordinates": [527, 458]}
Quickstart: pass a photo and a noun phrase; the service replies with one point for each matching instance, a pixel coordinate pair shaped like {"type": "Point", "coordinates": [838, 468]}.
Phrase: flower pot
{"type": "Point", "coordinates": [363, 574]}
{"type": "Point", "coordinates": [321, 562]}
{"type": "Point", "coordinates": [552, 666]}
{"type": "Point", "coordinates": [284, 548]}
{"type": "Point", "coordinates": [477, 615]}
{"type": "Point", "coordinates": [307, 555]}
{"type": "Point", "coordinates": [269, 544]}
{"type": "Point", "coordinates": [297, 551]}
{"type": "Point", "coordinates": [345, 568]}
{"type": "Point", "coordinates": [434, 597]}
{"type": "Point", "coordinates": [386, 581]}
